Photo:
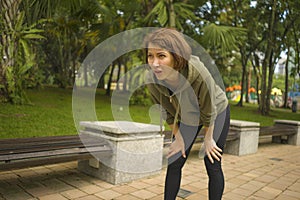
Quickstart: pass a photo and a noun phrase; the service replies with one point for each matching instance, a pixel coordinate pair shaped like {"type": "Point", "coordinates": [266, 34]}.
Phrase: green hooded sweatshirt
{"type": "Point", "coordinates": [197, 99]}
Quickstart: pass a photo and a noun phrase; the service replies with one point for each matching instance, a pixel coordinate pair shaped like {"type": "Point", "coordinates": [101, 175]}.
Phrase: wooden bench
{"type": "Point", "coordinates": [29, 152]}
{"type": "Point", "coordinates": [283, 131]}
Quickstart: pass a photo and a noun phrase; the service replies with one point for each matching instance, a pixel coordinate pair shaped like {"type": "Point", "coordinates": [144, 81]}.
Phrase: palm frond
{"type": "Point", "coordinates": [225, 38]}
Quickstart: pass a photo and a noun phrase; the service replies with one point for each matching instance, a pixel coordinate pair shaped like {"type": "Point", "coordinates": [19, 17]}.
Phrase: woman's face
{"type": "Point", "coordinates": [161, 62]}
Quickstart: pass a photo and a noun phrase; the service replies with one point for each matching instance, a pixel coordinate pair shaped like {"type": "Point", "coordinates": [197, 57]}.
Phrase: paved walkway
{"type": "Point", "coordinates": [272, 173]}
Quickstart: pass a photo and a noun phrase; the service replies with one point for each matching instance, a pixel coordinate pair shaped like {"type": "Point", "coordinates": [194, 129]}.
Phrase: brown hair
{"type": "Point", "coordinates": [172, 41]}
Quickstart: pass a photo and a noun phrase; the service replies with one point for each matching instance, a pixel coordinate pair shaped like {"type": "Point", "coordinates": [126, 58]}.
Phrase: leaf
{"type": "Point", "coordinates": [33, 36]}
{"type": "Point", "coordinates": [162, 14]}
{"type": "Point", "coordinates": [34, 30]}
{"type": "Point", "coordinates": [159, 10]}
{"type": "Point", "coordinates": [225, 38]}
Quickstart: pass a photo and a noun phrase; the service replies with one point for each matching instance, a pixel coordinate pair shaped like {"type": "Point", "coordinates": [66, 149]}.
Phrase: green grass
{"type": "Point", "coordinates": [51, 114]}
{"type": "Point", "coordinates": [249, 112]}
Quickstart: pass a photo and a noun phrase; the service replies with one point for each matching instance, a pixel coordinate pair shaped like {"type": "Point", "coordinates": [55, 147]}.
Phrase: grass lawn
{"type": "Point", "coordinates": [51, 114]}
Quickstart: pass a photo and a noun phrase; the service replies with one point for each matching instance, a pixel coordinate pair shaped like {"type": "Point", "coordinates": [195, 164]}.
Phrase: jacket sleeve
{"type": "Point", "coordinates": [207, 96]}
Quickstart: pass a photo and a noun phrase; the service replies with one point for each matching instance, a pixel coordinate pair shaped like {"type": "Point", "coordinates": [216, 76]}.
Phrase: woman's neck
{"type": "Point", "coordinates": [173, 81]}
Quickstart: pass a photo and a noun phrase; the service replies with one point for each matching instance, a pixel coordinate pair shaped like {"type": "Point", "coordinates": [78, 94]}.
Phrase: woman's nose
{"type": "Point", "coordinates": [155, 62]}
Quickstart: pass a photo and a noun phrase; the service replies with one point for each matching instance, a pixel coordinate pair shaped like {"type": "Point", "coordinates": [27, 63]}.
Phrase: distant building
{"type": "Point", "coordinates": [280, 66]}
{"type": "Point", "coordinates": [280, 69]}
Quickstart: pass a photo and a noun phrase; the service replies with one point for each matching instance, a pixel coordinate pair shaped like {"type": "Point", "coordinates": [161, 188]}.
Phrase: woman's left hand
{"type": "Point", "coordinates": [212, 150]}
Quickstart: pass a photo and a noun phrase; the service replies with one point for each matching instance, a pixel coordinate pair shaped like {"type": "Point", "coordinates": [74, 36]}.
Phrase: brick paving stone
{"type": "Point", "coordinates": [127, 197]}
{"type": "Point", "coordinates": [17, 196]}
{"type": "Point", "coordinates": [242, 191]}
{"type": "Point", "coordinates": [139, 184]}
{"type": "Point", "coordinates": [102, 184]}
{"type": "Point", "coordinates": [266, 178]}
{"type": "Point", "coordinates": [198, 184]}
{"type": "Point", "coordinates": [91, 189]}
{"type": "Point", "coordinates": [8, 176]}
{"type": "Point", "coordinates": [265, 194]}
{"type": "Point", "coordinates": [255, 198]}
{"type": "Point", "coordinates": [228, 174]}
{"type": "Point", "coordinates": [38, 190]}
{"type": "Point", "coordinates": [74, 193]}
{"type": "Point", "coordinates": [252, 186]}
{"type": "Point", "coordinates": [280, 185]}
{"type": "Point", "coordinates": [53, 196]}
{"type": "Point", "coordinates": [144, 194]}
{"type": "Point", "coordinates": [295, 186]}
{"type": "Point", "coordinates": [108, 194]}
{"type": "Point", "coordinates": [124, 189]}
{"type": "Point", "coordinates": [89, 197]}
{"type": "Point", "coordinates": [237, 181]}
{"type": "Point", "coordinates": [196, 196]}
{"type": "Point", "coordinates": [286, 197]}
{"type": "Point", "coordinates": [292, 193]}
{"type": "Point", "coordinates": [56, 184]}
{"type": "Point", "coordinates": [154, 180]}
{"type": "Point", "coordinates": [233, 196]}
{"type": "Point", "coordinates": [159, 197]}
{"type": "Point", "coordinates": [157, 189]}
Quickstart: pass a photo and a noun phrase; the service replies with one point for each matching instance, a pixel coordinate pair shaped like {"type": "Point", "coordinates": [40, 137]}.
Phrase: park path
{"type": "Point", "coordinates": [271, 173]}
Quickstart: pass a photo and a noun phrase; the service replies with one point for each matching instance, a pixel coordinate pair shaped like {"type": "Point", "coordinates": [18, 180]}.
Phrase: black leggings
{"type": "Point", "coordinates": [214, 171]}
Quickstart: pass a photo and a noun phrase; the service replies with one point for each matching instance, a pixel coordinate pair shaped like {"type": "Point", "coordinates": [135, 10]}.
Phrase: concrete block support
{"type": "Point", "coordinates": [293, 139]}
{"type": "Point", "coordinates": [137, 151]}
{"type": "Point", "coordinates": [248, 135]}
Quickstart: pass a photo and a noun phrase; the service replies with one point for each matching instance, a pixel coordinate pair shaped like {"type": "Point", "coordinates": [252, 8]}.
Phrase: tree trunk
{"type": "Point", "coordinates": [172, 15]}
{"type": "Point", "coordinates": [264, 105]}
{"type": "Point", "coordinates": [110, 79]}
{"type": "Point", "coordinates": [9, 10]}
{"type": "Point", "coordinates": [255, 65]}
{"type": "Point", "coordinates": [286, 88]}
{"type": "Point", "coordinates": [270, 81]}
{"type": "Point", "coordinates": [244, 64]}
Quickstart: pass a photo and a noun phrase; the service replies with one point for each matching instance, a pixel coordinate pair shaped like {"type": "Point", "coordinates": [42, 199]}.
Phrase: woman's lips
{"type": "Point", "coordinates": [157, 72]}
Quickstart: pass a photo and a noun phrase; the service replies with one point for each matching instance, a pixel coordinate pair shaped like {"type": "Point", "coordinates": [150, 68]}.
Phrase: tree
{"type": "Point", "coordinates": [16, 40]}
{"type": "Point", "coordinates": [279, 24]}
{"type": "Point", "coordinates": [168, 13]}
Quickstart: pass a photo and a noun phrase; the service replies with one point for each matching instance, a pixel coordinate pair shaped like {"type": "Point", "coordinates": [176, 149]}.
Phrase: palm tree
{"type": "Point", "coordinates": [19, 18]}
{"type": "Point", "coordinates": [16, 40]}
{"type": "Point", "coordinates": [168, 13]}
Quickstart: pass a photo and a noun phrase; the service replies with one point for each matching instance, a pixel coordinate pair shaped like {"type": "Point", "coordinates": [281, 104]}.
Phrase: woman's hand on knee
{"type": "Point", "coordinates": [212, 150]}
{"type": "Point", "coordinates": [177, 146]}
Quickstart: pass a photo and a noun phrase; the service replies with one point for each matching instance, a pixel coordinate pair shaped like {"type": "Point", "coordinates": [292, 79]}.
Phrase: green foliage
{"type": "Point", "coordinates": [140, 96]}
{"type": "Point", "coordinates": [51, 114]}
{"type": "Point", "coordinates": [222, 38]}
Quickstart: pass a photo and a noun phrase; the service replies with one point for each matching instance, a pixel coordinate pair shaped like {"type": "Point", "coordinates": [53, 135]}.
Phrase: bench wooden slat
{"type": "Point", "coordinates": [20, 152]}
{"type": "Point", "coordinates": [44, 145]}
{"type": "Point", "coordinates": [277, 130]}
{"type": "Point", "coordinates": [47, 147]}
{"type": "Point", "coordinates": [69, 151]}
{"type": "Point", "coordinates": [32, 162]}
{"type": "Point", "coordinates": [48, 139]}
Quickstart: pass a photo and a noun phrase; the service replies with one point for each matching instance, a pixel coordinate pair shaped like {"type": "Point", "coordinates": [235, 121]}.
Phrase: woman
{"type": "Point", "coordinates": [182, 85]}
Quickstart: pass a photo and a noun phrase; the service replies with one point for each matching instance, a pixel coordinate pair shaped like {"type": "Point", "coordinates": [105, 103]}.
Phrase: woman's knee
{"type": "Point", "coordinates": [212, 168]}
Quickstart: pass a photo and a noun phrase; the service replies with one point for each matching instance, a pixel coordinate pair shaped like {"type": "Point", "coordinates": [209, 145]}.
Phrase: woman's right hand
{"type": "Point", "coordinates": [177, 146]}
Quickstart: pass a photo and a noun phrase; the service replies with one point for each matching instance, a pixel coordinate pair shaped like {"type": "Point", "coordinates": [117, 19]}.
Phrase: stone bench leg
{"type": "Point", "coordinates": [248, 135]}
{"type": "Point", "coordinates": [292, 139]}
{"type": "Point", "coordinates": [137, 151]}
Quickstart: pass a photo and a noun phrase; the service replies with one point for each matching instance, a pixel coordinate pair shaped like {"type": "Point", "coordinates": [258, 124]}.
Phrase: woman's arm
{"type": "Point", "coordinates": [178, 144]}
{"type": "Point", "coordinates": [211, 148]}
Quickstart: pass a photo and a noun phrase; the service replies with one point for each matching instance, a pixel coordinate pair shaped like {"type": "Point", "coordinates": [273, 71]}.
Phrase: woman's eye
{"type": "Point", "coordinates": [162, 56]}
{"type": "Point", "coordinates": [150, 56]}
